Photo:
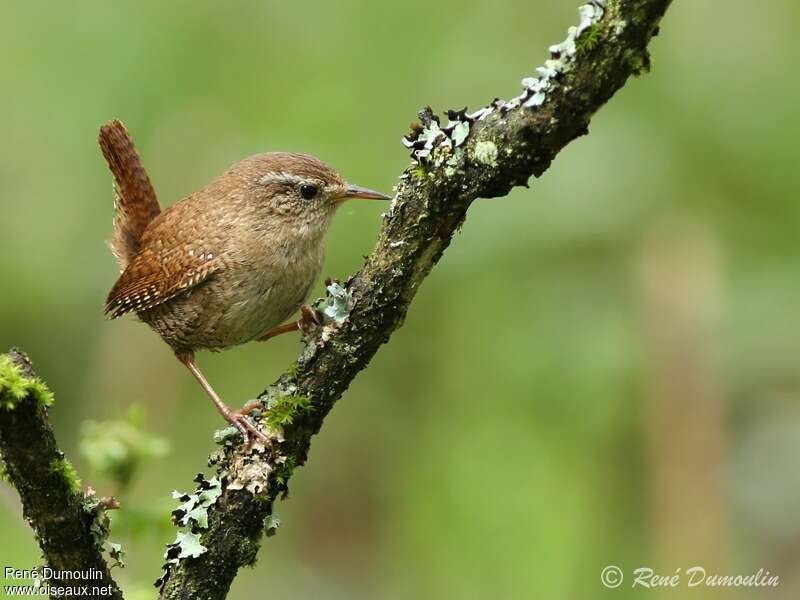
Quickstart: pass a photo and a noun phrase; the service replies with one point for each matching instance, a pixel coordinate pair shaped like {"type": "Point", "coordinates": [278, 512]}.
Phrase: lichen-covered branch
{"type": "Point", "coordinates": [479, 154]}
{"type": "Point", "coordinates": [64, 520]}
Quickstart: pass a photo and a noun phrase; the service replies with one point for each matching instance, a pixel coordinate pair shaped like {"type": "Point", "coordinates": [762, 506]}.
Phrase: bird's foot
{"type": "Point", "coordinates": [241, 420]}
{"type": "Point", "coordinates": [237, 418]}
{"type": "Point", "coordinates": [310, 320]}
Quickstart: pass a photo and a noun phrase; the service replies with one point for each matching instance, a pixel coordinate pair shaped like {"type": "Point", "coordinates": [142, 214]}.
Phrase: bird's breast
{"type": "Point", "coordinates": [264, 290]}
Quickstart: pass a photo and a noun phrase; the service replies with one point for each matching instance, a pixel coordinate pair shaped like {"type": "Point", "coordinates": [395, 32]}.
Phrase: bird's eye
{"type": "Point", "coordinates": [308, 191]}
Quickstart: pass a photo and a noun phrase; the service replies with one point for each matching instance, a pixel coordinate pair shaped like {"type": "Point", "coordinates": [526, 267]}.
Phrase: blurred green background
{"type": "Point", "coordinates": [602, 370]}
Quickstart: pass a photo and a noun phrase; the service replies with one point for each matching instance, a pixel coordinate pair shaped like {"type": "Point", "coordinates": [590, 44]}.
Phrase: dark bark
{"type": "Point", "coordinates": [52, 500]}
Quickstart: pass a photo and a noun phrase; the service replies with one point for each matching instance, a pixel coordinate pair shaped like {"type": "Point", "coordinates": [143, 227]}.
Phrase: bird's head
{"type": "Point", "coordinates": [297, 188]}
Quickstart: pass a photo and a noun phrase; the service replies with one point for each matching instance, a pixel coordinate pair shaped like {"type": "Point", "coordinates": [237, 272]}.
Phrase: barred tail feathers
{"type": "Point", "coordinates": [136, 204]}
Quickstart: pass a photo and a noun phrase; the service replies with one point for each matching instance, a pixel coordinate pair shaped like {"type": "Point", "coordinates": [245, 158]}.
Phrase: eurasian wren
{"type": "Point", "coordinates": [227, 264]}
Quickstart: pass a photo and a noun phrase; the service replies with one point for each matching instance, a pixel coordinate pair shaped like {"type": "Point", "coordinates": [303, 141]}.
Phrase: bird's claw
{"type": "Point", "coordinates": [310, 319]}
{"type": "Point", "coordinates": [240, 420]}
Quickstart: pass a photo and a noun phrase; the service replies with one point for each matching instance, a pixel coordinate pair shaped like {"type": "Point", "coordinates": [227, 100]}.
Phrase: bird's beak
{"type": "Point", "coordinates": [356, 191]}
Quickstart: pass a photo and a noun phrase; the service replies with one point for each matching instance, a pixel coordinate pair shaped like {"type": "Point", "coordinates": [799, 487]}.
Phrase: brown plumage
{"type": "Point", "coordinates": [136, 204]}
{"type": "Point", "coordinates": [227, 264]}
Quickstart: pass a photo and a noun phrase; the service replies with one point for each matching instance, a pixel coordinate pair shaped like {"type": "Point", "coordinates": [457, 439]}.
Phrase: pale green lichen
{"type": "Point", "coordinates": [227, 436]}
{"type": "Point", "coordinates": [431, 145]}
{"type": "Point", "coordinates": [193, 510]}
{"type": "Point", "coordinates": [15, 386]}
{"type": "Point", "coordinates": [188, 545]}
{"type": "Point", "coordinates": [63, 468]}
{"type": "Point", "coordinates": [453, 163]}
{"type": "Point", "coordinates": [271, 524]}
{"type": "Point", "coordinates": [100, 526]}
{"type": "Point", "coordinates": [486, 153]}
{"type": "Point", "coordinates": [338, 304]}
{"type": "Point", "coordinates": [460, 132]}
{"type": "Point", "coordinates": [115, 552]}
{"type": "Point", "coordinates": [590, 13]}
{"type": "Point", "coordinates": [429, 136]}
{"type": "Point", "coordinates": [250, 472]}
{"type": "Point", "coordinates": [191, 516]}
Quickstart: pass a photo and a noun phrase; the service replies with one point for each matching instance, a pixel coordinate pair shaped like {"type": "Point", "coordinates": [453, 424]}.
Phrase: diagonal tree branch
{"type": "Point", "coordinates": [482, 154]}
{"type": "Point", "coordinates": [51, 496]}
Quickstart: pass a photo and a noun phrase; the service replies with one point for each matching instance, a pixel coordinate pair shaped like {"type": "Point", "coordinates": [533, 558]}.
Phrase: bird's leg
{"type": "Point", "coordinates": [237, 418]}
{"type": "Point", "coordinates": [276, 331]}
{"type": "Point", "coordinates": [309, 319]}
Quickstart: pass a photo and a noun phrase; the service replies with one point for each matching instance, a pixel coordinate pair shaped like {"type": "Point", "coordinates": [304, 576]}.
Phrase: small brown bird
{"type": "Point", "coordinates": [225, 265]}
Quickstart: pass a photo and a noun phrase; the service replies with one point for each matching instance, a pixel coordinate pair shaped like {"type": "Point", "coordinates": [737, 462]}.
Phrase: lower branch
{"type": "Point", "coordinates": [482, 154]}
{"type": "Point", "coordinates": [52, 500]}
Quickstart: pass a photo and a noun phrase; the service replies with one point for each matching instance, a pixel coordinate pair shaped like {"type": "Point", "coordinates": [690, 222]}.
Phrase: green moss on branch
{"type": "Point", "coordinates": [15, 385]}
{"type": "Point", "coordinates": [64, 469]}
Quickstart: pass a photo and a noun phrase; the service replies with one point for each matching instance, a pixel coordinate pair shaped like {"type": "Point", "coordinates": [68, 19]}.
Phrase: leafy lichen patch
{"type": "Point", "coordinates": [100, 526]}
{"type": "Point", "coordinates": [191, 517]}
{"type": "Point", "coordinates": [227, 436]}
{"type": "Point", "coordinates": [271, 524]}
{"type": "Point", "coordinates": [193, 510]}
{"type": "Point", "coordinates": [261, 469]}
{"type": "Point", "coordinates": [430, 143]}
{"type": "Point", "coordinates": [460, 132]}
{"type": "Point", "coordinates": [249, 472]}
{"type": "Point", "coordinates": [339, 303]}
{"type": "Point", "coordinates": [187, 545]}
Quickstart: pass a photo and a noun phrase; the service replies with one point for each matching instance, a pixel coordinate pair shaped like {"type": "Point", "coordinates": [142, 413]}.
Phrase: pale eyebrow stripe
{"type": "Point", "coordinates": [279, 177]}
{"type": "Point", "coordinates": [291, 178]}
